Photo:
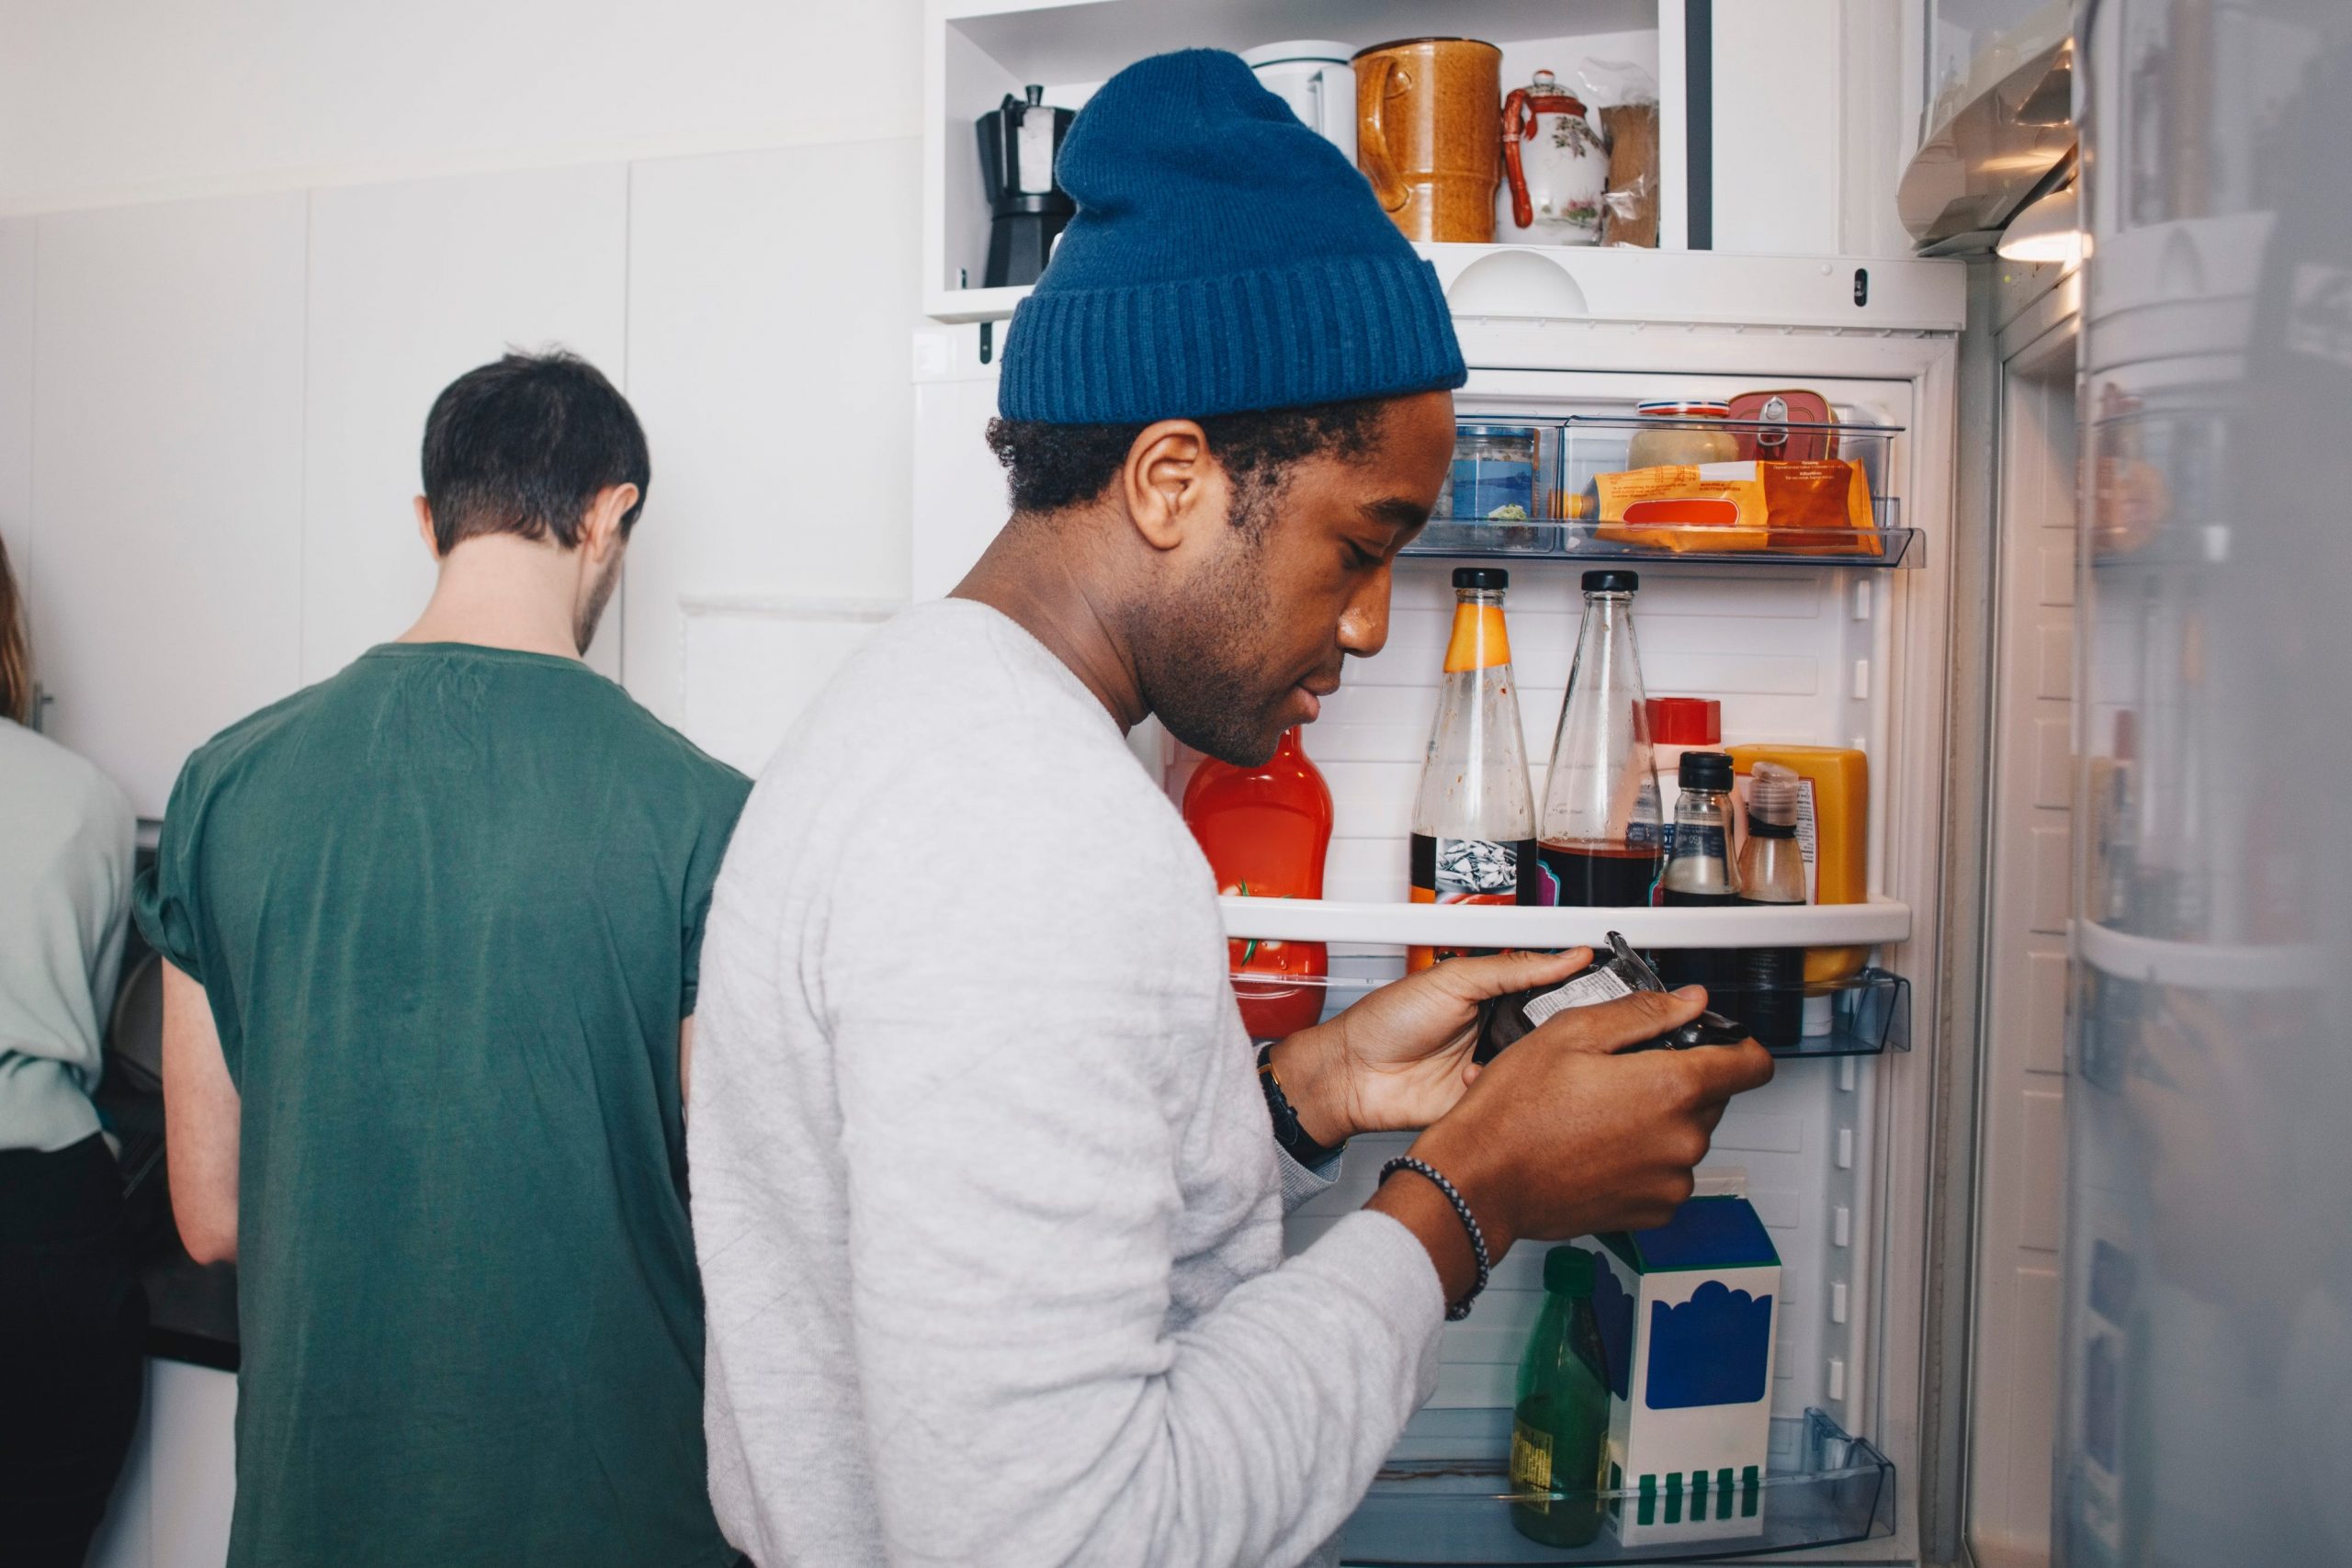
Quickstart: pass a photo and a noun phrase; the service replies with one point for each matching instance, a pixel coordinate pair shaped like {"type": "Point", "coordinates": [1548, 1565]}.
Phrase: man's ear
{"type": "Point", "coordinates": [600, 531]}
{"type": "Point", "coordinates": [424, 527]}
{"type": "Point", "coordinates": [1170, 484]}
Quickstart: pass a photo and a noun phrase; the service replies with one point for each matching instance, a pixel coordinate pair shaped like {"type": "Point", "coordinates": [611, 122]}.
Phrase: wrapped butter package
{"type": "Point", "coordinates": [1818, 507]}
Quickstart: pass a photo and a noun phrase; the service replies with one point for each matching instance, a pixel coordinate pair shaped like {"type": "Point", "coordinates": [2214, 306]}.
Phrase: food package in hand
{"type": "Point", "coordinates": [1808, 508]}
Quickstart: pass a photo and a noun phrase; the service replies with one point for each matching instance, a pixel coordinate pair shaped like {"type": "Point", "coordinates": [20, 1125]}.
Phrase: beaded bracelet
{"type": "Point", "coordinates": [1461, 1309]}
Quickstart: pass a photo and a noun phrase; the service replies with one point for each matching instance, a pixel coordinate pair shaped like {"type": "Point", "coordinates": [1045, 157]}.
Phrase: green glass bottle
{"type": "Point", "coordinates": [1559, 1438]}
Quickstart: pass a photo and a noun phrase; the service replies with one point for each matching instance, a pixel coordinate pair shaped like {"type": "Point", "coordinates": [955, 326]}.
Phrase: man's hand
{"type": "Point", "coordinates": [1564, 1136]}
{"type": "Point", "coordinates": [1400, 1059]}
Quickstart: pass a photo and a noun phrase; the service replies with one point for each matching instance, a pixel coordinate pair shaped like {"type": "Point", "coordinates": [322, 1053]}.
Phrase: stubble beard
{"type": "Point", "coordinates": [1202, 659]}
{"type": "Point", "coordinates": [592, 610]}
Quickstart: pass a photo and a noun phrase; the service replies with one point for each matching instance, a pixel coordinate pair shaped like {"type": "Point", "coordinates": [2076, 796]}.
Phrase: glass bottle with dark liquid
{"type": "Point", "coordinates": [1770, 996]}
{"type": "Point", "coordinates": [1602, 835]}
{"type": "Point", "coordinates": [1473, 820]}
{"type": "Point", "coordinates": [1699, 874]}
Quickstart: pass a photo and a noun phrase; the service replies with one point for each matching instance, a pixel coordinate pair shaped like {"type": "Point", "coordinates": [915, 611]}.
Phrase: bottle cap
{"type": "Point", "coordinates": [1772, 795]}
{"type": "Point", "coordinates": [1613, 581]}
{"type": "Point", "coordinates": [1488, 577]}
{"type": "Point", "coordinates": [1705, 769]}
{"type": "Point", "coordinates": [1685, 721]}
{"type": "Point", "coordinates": [1567, 1272]}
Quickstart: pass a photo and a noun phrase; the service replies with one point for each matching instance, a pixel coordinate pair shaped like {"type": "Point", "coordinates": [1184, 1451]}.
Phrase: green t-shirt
{"type": "Point", "coordinates": [449, 906]}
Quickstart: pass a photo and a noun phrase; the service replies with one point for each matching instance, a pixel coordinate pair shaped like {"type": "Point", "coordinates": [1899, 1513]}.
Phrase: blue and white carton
{"type": "Point", "coordinates": [1685, 1315]}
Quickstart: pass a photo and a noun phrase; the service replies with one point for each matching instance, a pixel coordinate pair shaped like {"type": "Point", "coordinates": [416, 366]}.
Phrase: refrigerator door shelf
{"type": "Point", "coordinates": [1870, 1011]}
{"type": "Point", "coordinates": [1504, 925]}
{"type": "Point", "coordinates": [1822, 1488]}
{"type": "Point", "coordinates": [1884, 548]}
{"type": "Point", "coordinates": [1550, 500]}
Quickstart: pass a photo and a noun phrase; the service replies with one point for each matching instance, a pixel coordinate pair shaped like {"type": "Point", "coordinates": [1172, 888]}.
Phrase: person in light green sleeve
{"type": "Point", "coordinates": [435, 928]}
{"type": "Point", "coordinates": [72, 1316]}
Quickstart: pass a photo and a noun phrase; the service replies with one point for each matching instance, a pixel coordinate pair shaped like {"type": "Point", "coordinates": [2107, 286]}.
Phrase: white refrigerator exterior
{"type": "Point", "coordinates": [1834, 1153]}
{"type": "Point", "coordinates": [2208, 1409]}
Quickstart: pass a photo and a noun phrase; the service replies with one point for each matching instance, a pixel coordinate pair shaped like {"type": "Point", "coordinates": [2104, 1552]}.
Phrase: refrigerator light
{"type": "Point", "coordinates": [2050, 230]}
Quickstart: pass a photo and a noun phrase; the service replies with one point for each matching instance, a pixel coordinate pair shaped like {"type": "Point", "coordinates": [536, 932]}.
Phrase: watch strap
{"type": "Point", "coordinates": [1287, 1131]}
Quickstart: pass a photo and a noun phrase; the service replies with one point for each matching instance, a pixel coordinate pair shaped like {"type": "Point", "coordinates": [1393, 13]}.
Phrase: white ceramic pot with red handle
{"type": "Point", "coordinates": [1555, 168]}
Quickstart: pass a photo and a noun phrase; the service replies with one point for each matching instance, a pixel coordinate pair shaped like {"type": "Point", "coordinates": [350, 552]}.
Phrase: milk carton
{"type": "Point", "coordinates": [1685, 1320]}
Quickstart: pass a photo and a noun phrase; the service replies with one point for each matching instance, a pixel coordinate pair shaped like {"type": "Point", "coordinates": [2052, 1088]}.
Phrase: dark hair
{"type": "Point", "coordinates": [16, 653]}
{"type": "Point", "coordinates": [526, 446]}
{"type": "Point", "coordinates": [1050, 467]}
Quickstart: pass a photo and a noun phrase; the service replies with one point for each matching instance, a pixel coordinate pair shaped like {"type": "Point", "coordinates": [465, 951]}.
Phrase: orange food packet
{"type": "Point", "coordinates": [1821, 506]}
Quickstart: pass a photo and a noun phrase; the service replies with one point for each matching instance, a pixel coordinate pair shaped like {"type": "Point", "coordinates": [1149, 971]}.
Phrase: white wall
{"type": "Point", "coordinates": [727, 191]}
{"type": "Point", "coordinates": [103, 101]}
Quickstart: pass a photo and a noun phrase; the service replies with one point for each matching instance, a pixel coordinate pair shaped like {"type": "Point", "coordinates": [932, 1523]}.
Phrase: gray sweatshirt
{"type": "Point", "coordinates": [65, 854]}
{"type": "Point", "coordinates": [987, 1207]}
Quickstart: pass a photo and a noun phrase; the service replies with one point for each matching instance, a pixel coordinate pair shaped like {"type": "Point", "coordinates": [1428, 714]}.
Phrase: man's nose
{"type": "Point", "coordinates": [1363, 624]}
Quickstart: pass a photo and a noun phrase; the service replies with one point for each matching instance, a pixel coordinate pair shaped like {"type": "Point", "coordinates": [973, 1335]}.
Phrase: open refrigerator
{"type": "Point", "coordinates": [1850, 650]}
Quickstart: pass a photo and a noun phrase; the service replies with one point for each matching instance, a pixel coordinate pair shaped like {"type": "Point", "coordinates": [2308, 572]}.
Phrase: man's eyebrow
{"type": "Point", "coordinates": [1398, 513]}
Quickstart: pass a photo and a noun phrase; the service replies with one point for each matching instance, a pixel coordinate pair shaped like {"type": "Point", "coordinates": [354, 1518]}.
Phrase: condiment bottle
{"type": "Point", "coordinates": [1265, 831]}
{"type": "Point", "coordinates": [1602, 836]}
{"type": "Point", "coordinates": [1833, 834]}
{"type": "Point", "coordinates": [1699, 873]}
{"type": "Point", "coordinates": [1474, 821]}
{"type": "Point", "coordinates": [1559, 1434]}
{"type": "Point", "coordinates": [1683, 724]}
{"type": "Point", "coordinates": [1771, 980]}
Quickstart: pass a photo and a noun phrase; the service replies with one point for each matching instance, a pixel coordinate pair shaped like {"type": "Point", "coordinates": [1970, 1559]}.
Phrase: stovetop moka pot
{"type": "Point", "coordinates": [1027, 211]}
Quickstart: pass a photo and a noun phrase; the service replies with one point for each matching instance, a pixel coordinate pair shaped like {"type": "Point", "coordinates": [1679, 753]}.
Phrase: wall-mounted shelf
{"type": "Point", "coordinates": [976, 52]}
{"type": "Point", "coordinates": [1881, 921]}
{"type": "Point", "coordinates": [1822, 1488]}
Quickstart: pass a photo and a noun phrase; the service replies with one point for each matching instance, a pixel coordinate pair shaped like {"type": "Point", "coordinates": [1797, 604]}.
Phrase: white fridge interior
{"type": "Point", "coordinates": [1833, 1154]}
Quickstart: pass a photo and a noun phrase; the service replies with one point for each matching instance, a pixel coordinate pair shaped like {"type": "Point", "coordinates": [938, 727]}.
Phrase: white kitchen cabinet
{"type": "Point", "coordinates": [178, 1487]}
{"type": "Point", "coordinates": [411, 285]}
{"type": "Point", "coordinates": [768, 349]}
{"type": "Point", "coordinates": [167, 474]}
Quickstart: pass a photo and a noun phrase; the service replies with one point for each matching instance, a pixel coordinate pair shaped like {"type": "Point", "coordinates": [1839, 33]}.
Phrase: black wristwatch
{"type": "Point", "coordinates": [1287, 1131]}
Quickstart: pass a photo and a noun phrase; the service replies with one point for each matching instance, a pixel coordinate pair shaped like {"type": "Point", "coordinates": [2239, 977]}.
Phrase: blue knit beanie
{"type": "Point", "coordinates": [1224, 258]}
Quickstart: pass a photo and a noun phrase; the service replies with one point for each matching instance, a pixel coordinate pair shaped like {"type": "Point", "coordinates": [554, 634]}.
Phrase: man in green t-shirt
{"type": "Point", "coordinates": [437, 923]}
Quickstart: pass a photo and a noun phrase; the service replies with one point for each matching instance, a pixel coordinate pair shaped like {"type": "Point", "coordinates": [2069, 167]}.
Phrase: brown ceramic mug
{"type": "Point", "coordinates": [1429, 134]}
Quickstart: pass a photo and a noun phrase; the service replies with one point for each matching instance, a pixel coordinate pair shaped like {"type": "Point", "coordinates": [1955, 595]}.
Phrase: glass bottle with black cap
{"type": "Point", "coordinates": [1699, 871]}
{"type": "Point", "coordinates": [1601, 834]}
{"type": "Point", "coordinates": [1473, 820]}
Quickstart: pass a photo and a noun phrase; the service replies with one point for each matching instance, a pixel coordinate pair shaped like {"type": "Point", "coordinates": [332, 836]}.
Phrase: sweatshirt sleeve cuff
{"type": "Point", "coordinates": [1301, 1182]}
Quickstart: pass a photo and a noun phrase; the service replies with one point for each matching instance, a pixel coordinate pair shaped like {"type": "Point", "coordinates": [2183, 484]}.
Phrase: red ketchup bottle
{"type": "Point", "coordinates": [1265, 830]}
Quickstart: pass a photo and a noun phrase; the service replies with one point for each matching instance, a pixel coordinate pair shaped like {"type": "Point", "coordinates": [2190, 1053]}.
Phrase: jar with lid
{"type": "Point", "coordinates": [1699, 434]}
{"type": "Point", "coordinates": [1496, 474]}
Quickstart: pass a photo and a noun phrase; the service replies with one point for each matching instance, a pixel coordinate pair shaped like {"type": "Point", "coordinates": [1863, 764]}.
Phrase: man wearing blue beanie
{"type": "Point", "coordinates": [989, 1214]}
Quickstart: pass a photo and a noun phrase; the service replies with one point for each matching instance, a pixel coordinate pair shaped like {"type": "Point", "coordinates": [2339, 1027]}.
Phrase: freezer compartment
{"type": "Point", "coordinates": [1445, 1498]}
{"type": "Point", "coordinates": [1527, 484]}
{"type": "Point", "coordinates": [1868, 1012]}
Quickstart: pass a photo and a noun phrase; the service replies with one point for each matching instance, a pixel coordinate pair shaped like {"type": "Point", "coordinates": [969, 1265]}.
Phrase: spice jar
{"type": "Point", "coordinates": [1699, 435]}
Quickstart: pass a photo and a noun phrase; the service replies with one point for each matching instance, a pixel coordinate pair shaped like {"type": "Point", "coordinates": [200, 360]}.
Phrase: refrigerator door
{"type": "Point", "coordinates": [2208, 1374]}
